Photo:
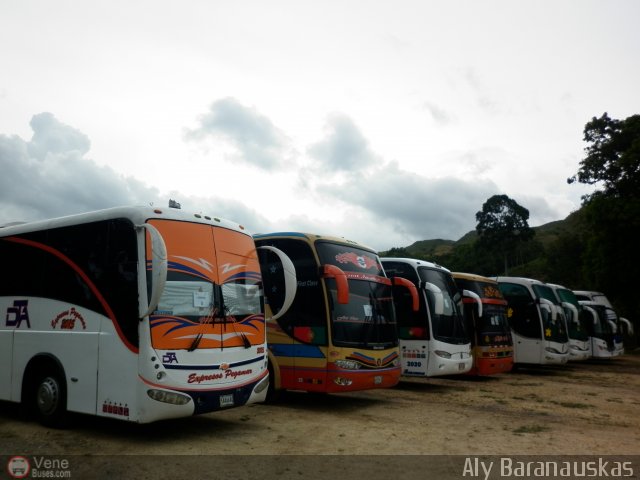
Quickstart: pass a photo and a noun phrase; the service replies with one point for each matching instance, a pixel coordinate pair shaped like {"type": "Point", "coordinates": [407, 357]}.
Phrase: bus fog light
{"type": "Point", "coordinates": [262, 384]}
{"type": "Point", "coordinates": [347, 364]}
{"type": "Point", "coordinates": [343, 382]}
{"type": "Point", "coordinates": [173, 398]}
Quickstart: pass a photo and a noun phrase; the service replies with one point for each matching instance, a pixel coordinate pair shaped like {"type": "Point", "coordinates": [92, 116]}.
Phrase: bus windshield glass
{"type": "Point", "coordinates": [494, 321]}
{"type": "Point", "coordinates": [204, 307]}
{"type": "Point", "coordinates": [577, 327]}
{"type": "Point", "coordinates": [447, 326]}
{"type": "Point", "coordinates": [368, 319]}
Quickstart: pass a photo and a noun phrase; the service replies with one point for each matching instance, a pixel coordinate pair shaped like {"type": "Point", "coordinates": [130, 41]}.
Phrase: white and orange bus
{"type": "Point", "coordinates": [340, 333]}
{"type": "Point", "coordinates": [485, 314]}
{"type": "Point", "coordinates": [133, 313]}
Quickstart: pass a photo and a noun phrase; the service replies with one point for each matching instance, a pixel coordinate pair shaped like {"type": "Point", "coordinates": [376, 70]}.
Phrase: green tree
{"type": "Point", "coordinates": [503, 226]}
{"type": "Point", "coordinates": [613, 157]}
{"type": "Point", "coordinates": [611, 258]}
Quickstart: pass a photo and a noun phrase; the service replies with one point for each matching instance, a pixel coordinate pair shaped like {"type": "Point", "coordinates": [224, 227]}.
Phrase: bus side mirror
{"type": "Point", "coordinates": [476, 298]}
{"type": "Point", "coordinates": [550, 306]}
{"type": "Point", "coordinates": [342, 284]}
{"type": "Point", "coordinates": [290, 280]}
{"type": "Point", "coordinates": [628, 324]}
{"type": "Point", "coordinates": [158, 266]}
{"type": "Point", "coordinates": [573, 309]}
{"type": "Point", "coordinates": [593, 313]}
{"type": "Point", "coordinates": [412, 290]}
{"type": "Point", "coordinates": [437, 295]}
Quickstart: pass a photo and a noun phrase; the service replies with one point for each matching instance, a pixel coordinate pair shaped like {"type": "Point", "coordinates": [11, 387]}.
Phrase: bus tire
{"type": "Point", "coordinates": [48, 397]}
{"type": "Point", "coordinates": [273, 394]}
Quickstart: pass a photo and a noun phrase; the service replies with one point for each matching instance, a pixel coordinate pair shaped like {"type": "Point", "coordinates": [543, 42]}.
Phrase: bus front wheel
{"type": "Point", "coordinates": [49, 398]}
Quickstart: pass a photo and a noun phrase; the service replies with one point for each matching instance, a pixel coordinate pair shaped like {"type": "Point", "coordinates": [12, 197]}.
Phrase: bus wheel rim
{"type": "Point", "coordinates": [48, 396]}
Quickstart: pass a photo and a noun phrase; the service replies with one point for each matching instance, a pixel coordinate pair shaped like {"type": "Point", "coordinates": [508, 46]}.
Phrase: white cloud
{"type": "Point", "coordinates": [256, 140]}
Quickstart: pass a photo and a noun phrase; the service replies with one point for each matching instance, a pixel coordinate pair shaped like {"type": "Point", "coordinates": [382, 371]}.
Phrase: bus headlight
{"type": "Point", "coordinates": [174, 398]}
{"type": "Point", "coordinates": [347, 364]}
{"type": "Point", "coordinates": [343, 382]}
{"type": "Point", "coordinates": [553, 350]}
{"type": "Point", "coordinates": [442, 353]}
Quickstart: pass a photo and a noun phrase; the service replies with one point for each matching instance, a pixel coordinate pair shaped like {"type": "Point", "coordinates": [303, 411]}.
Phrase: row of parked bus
{"type": "Point", "coordinates": [144, 313]}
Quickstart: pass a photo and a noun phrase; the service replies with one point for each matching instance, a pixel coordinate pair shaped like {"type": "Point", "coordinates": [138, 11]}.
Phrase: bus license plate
{"type": "Point", "coordinates": [461, 366]}
{"type": "Point", "coordinates": [226, 400]}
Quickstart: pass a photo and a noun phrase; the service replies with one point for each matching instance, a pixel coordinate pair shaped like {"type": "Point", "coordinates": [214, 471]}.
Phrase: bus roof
{"type": "Point", "coordinates": [518, 280]}
{"type": "Point", "coordinates": [473, 276]}
{"type": "Point", "coordinates": [137, 214]}
{"type": "Point", "coordinates": [312, 237]}
{"type": "Point", "coordinates": [415, 262]}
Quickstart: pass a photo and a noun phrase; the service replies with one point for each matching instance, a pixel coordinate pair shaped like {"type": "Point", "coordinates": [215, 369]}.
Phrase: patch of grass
{"type": "Point", "coordinates": [572, 404]}
{"type": "Point", "coordinates": [615, 400]}
{"type": "Point", "coordinates": [530, 429]}
{"type": "Point", "coordinates": [525, 384]}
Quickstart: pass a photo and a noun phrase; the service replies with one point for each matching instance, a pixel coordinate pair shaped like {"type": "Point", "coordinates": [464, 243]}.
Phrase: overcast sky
{"type": "Point", "coordinates": [383, 122]}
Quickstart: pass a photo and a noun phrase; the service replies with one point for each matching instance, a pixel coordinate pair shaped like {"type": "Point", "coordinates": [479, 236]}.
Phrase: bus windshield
{"type": "Point", "coordinates": [554, 330]}
{"type": "Point", "coordinates": [494, 323]}
{"type": "Point", "coordinates": [577, 327]}
{"type": "Point", "coordinates": [204, 307]}
{"type": "Point", "coordinates": [368, 320]}
{"type": "Point", "coordinates": [447, 326]}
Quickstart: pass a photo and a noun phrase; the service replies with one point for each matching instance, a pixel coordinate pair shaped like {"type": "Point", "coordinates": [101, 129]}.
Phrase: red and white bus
{"type": "Point", "coordinates": [134, 313]}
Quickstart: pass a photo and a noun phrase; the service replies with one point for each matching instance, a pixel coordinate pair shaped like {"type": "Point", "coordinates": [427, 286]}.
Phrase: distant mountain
{"type": "Point", "coordinates": [432, 249]}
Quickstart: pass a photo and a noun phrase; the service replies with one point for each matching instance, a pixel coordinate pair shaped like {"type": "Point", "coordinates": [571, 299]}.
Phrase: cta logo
{"type": "Point", "coordinates": [17, 314]}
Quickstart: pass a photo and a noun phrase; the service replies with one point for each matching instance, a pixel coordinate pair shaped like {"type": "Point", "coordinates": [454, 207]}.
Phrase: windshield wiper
{"type": "Point", "coordinates": [203, 321]}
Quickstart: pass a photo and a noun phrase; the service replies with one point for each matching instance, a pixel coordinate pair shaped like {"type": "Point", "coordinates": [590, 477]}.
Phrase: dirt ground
{"type": "Point", "coordinates": [586, 408]}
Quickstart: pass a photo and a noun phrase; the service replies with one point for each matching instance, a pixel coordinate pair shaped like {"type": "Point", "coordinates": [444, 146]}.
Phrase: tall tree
{"type": "Point", "coordinates": [611, 260]}
{"type": "Point", "coordinates": [503, 226]}
{"type": "Point", "coordinates": [613, 157]}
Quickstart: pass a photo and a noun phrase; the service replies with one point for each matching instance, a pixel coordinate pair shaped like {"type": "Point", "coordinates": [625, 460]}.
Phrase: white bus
{"type": "Point", "coordinates": [578, 323]}
{"type": "Point", "coordinates": [134, 313]}
{"type": "Point", "coordinates": [433, 339]}
{"type": "Point", "coordinates": [605, 331]}
{"type": "Point", "coordinates": [537, 326]}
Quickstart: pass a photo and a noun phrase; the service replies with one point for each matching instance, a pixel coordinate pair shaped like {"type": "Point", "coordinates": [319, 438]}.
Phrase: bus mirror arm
{"type": "Point", "coordinates": [290, 279]}
{"type": "Point", "coordinates": [550, 306]}
{"type": "Point", "coordinates": [593, 313]}
{"type": "Point", "coordinates": [412, 290]}
{"type": "Point", "coordinates": [342, 284]}
{"type": "Point", "coordinates": [437, 295]}
{"type": "Point", "coordinates": [573, 308]}
{"type": "Point", "coordinates": [628, 324]}
{"type": "Point", "coordinates": [476, 298]}
{"type": "Point", "coordinates": [158, 266]}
